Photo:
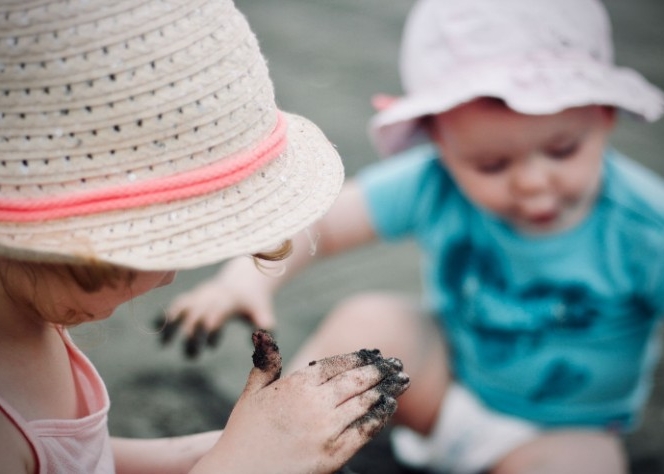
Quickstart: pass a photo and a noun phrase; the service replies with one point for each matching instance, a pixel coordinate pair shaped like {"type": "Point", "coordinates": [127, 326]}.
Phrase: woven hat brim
{"type": "Point", "coordinates": [255, 215]}
{"type": "Point", "coordinates": [539, 89]}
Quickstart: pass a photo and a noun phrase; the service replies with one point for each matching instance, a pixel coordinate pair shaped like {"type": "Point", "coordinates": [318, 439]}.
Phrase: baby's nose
{"type": "Point", "coordinates": [531, 176]}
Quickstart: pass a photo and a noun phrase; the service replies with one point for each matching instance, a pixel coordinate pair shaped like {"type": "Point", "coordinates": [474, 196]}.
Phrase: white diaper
{"type": "Point", "coordinates": [468, 437]}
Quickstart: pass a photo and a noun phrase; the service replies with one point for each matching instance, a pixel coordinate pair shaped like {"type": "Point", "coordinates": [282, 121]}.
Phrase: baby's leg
{"type": "Point", "coordinates": [398, 327]}
{"type": "Point", "coordinates": [569, 452]}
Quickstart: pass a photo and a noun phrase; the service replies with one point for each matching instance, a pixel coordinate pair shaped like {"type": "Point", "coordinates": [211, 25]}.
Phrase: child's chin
{"type": "Point", "coordinates": [535, 230]}
{"type": "Point", "coordinates": [541, 229]}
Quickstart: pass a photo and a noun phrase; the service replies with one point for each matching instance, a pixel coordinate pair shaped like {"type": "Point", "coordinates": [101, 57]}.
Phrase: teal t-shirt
{"type": "Point", "coordinates": [558, 329]}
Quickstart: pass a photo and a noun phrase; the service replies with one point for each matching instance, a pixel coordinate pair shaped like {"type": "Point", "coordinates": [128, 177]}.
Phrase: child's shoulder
{"type": "Point", "coordinates": [635, 189]}
{"type": "Point", "coordinates": [418, 157]}
{"type": "Point", "coordinates": [418, 169]}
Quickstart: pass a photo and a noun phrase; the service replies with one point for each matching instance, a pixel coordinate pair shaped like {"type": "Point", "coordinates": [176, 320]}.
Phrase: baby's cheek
{"type": "Point", "coordinates": [492, 197]}
{"type": "Point", "coordinates": [582, 186]}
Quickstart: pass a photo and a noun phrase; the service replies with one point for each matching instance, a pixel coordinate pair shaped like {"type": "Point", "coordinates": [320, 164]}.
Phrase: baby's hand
{"type": "Point", "coordinates": [313, 420]}
{"type": "Point", "coordinates": [200, 313]}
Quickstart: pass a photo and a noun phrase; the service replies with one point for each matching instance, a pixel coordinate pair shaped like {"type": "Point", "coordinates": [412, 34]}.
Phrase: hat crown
{"type": "Point", "coordinates": [96, 94]}
{"type": "Point", "coordinates": [144, 133]}
{"type": "Point", "coordinates": [441, 35]}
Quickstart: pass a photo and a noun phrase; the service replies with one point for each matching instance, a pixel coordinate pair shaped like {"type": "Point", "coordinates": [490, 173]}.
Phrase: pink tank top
{"type": "Point", "coordinates": [78, 446]}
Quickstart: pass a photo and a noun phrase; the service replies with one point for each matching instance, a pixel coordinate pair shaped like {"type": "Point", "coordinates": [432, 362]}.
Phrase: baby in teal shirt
{"type": "Point", "coordinates": [543, 248]}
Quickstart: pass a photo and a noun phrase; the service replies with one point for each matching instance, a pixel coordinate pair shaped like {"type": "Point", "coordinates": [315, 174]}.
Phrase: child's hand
{"type": "Point", "coordinates": [200, 313]}
{"type": "Point", "coordinates": [311, 421]}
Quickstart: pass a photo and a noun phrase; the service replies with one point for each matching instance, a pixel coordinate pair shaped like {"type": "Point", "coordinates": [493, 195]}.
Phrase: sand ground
{"type": "Point", "coordinates": [327, 58]}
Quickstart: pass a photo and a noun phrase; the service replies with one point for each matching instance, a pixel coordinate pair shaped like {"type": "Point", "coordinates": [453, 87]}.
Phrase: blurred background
{"type": "Point", "coordinates": [327, 58]}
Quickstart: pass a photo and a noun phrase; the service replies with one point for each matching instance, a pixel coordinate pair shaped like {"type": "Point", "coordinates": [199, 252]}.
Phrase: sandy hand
{"type": "Point", "coordinates": [315, 419]}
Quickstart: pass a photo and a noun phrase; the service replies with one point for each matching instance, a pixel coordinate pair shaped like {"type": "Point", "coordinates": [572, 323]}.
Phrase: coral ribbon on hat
{"type": "Point", "coordinates": [214, 177]}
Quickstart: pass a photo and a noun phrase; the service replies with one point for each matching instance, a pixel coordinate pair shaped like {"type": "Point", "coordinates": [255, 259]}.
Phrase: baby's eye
{"type": "Point", "coordinates": [492, 166]}
{"type": "Point", "coordinates": [562, 152]}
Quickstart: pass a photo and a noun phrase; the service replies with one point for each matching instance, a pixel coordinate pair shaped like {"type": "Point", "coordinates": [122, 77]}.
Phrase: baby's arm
{"type": "Point", "coordinates": [240, 288]}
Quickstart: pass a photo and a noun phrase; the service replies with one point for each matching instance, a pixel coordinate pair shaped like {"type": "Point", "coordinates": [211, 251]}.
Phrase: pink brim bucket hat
{"type": "Point", "coordinates": [539, 56]}
{"type": "Point", "coordinates": [144, 133]}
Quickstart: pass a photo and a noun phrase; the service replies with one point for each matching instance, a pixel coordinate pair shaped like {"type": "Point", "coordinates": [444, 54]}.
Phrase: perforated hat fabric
{"type": "Point", "coordinates": [144, 133]}
{"type": "Point", "coordinates": [539, 56]}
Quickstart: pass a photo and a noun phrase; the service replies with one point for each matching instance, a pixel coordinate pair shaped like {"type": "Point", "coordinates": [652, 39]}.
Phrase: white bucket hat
{"type": "Point", "coordinates": [144, 133]}
{"type": "Point", "coordinates": [539, 56]}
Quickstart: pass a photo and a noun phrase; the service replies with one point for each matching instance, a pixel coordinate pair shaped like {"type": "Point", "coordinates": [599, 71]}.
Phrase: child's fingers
{"type": "Point", "coordinates": [330, 367]}
{"type": "Point", "coordinates": [352, 383]}
{"type": "Point", "coordinates": [383, 375]}
{"type": "Point", "coordinates": [200, 330]}
{"type": "Point", "coordinates": [350, 411]}
{"type": "Point", "coordinates": [266, 356]}
{"type": "Point", "coordinates": [266, 359]}
{"type": "Point", "coordinates": [361, 430]}
{"type": "Point", "coordinates": [167, 327]}
{"type": "Point", "coordinates": [196, 341]}
{"type": "Point", "coordinates": [394, 384]}
{"type": "Point", "coordinates": [355, 383]}
{"type": "Point", "coordinates": [213, 337]}
{"type": "Point", "coordinates": [376, 418]}
{"type": "Point", "coordinates": [209, 318]}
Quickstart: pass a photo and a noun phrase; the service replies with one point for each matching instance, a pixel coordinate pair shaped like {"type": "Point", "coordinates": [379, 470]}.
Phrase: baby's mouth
{"type": "Point", "coordinates": [538, 222]}
{"type": "Point", "coordinates": [543, 218]}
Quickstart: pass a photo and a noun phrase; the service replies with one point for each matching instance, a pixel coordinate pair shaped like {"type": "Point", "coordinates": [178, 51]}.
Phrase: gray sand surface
{"type": "Point", "coordinates": [327, 58]}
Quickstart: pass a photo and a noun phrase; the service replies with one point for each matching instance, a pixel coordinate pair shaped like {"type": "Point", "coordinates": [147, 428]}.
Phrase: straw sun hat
{"type": "Point", "coordinates": [144, 133]}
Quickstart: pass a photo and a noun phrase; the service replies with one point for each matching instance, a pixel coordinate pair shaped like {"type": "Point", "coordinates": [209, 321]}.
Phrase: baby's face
{"type": "Point", "coordinates": [541, 173]}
